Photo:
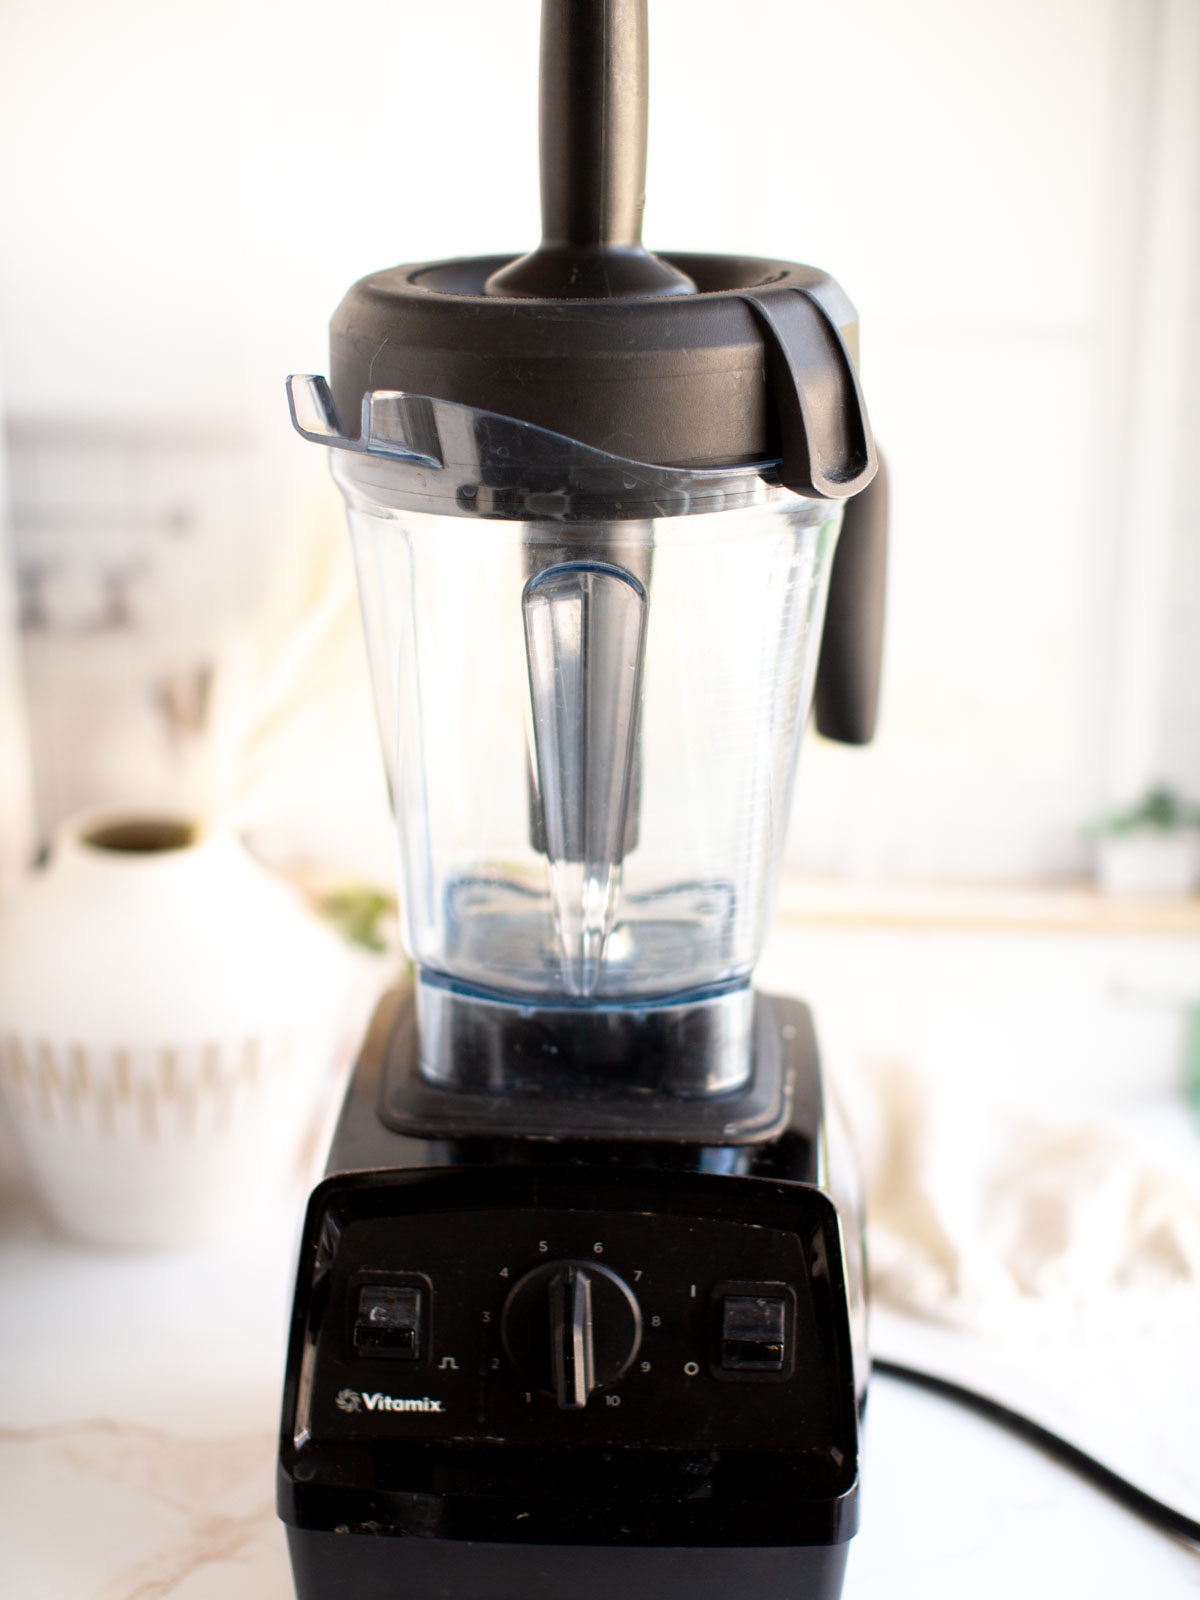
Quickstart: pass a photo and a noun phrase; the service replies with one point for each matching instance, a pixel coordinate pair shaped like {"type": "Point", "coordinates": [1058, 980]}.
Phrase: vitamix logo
{"type": "Point", "coordinates": [350, 1400]}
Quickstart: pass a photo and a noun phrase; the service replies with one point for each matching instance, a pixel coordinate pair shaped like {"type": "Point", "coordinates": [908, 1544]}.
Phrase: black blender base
{"type": "Point", "coordinates": [528, 1366]}
{"type": "Point", "coordinates": [334, 1564]}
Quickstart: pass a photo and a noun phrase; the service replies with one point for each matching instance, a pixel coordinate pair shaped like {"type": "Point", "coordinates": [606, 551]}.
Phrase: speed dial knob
{"type": "Point", "coordinates": [570, 1327]}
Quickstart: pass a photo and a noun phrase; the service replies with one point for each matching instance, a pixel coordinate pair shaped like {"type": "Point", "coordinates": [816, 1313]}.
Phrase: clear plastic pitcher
{"type": "Point", "coordinates": [591, 678]}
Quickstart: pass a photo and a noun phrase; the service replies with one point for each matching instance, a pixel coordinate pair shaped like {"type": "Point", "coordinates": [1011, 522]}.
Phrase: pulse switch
{"type": "Point", "coordinates": [388, 1322]}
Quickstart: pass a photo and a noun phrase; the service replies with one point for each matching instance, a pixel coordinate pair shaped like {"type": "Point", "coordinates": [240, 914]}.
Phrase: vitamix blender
{"type": "Point", "coordinates": [579, 1306]}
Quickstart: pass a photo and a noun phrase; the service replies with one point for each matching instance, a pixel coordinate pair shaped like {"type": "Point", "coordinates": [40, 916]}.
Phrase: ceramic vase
{"type": "Point", "coordinates": [172, 1023]}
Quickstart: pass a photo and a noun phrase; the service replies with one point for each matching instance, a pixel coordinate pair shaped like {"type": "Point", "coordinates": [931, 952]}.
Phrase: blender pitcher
{"type": "Point", "coordinates": [595, 497]}
{"type": "Point", "coordinates": [591, 695]}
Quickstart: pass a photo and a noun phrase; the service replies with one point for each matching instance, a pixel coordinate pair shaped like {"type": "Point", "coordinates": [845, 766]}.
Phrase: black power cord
{"type": "Point", "coordinates": [1163, 1517]}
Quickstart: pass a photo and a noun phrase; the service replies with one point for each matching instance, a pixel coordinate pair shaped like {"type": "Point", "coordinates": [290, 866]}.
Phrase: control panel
{"type": "Point", "coordinates": [581, 1318]}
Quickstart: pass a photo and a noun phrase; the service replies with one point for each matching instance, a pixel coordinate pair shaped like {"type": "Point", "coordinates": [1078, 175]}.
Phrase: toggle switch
{"type": "Point", "coordinates": [388, 1322]}
{"type": "Point", "coordinates": [753, 1333]}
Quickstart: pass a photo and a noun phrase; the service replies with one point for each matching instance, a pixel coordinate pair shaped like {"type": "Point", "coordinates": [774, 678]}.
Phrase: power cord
{"type": "Point", "coordinates": [1161, 1516]}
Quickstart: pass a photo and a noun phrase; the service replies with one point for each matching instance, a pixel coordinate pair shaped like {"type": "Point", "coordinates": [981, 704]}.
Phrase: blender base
{"type": "Point", "coordinates": [327, 1564]}
{"type": "Point", "coordinates": [686, 1422]}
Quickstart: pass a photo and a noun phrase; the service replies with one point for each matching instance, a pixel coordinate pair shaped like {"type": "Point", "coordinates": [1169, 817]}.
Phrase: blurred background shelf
{"type": "Point", "coordinates": [1035, 908]}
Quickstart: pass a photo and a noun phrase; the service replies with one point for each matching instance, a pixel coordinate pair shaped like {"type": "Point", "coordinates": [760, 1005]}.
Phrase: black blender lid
{"type": "Point", "coordinates": [679, 360]}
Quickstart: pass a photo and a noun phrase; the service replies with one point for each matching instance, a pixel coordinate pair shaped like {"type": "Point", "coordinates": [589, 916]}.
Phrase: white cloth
{"type": "Point", "coordinates": [990, 1218]}
{"type": "Point", "coordinates": [1052, 1263]}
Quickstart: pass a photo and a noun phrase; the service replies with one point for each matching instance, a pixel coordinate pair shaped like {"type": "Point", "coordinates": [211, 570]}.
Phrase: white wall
{"type": "Point", "coordinates": [186, 194]}
{"type": "Point", "coordinates": [1178, 731]}
{"type": "Point", "coordinates": [16, 782]}
{"type": "Point", "coordinates": [1027, 394]}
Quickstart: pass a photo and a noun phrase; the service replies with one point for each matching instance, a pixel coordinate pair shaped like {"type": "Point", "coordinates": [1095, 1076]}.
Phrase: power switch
{"type": "Point", "coordinates": [753, 1333]}
{"type": "Point", "coordinates": [388, 1322]}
